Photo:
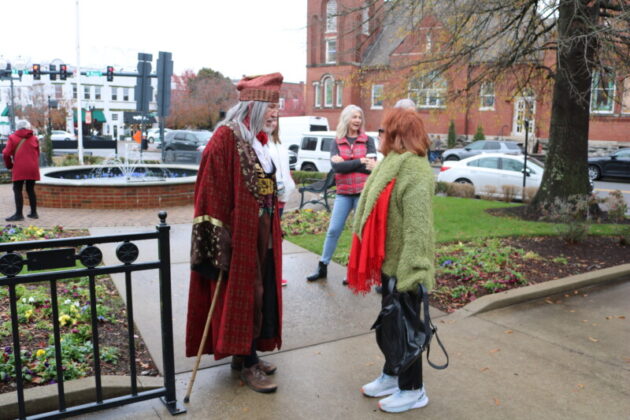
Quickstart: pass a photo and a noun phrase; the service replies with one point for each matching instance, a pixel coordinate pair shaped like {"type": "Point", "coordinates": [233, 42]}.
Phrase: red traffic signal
{"type": "Point", "coordinates": [110, 73]}
{"type": "Point", "coordinates": [63, 71]}
{"type": "Point", "coordinates": [37, 75]}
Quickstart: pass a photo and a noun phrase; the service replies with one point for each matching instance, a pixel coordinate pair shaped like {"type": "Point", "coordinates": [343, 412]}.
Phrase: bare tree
{"type": "Point", "coordinates": [565, 45]}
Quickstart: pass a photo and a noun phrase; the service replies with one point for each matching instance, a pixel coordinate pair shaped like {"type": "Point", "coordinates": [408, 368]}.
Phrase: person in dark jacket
{"type": "Point", "coordinates": [21, 155]}
{"type": "Point", "coordinates": [352, 156]}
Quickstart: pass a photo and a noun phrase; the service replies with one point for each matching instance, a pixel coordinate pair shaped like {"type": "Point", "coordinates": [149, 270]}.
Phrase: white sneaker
{"type": "Point", "coordinates": [404, 400]}
{"type": "Point", "coordinates": [381, 386]}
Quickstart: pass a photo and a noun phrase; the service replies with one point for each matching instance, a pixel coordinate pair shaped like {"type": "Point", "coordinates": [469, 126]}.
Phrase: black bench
{"type": "Point", "coordinates": [323, 187]}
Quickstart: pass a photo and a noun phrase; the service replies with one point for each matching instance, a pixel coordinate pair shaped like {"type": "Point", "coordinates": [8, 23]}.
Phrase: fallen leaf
{"type": "Point", "coordinates": [621, 317]}
{"type": "Point", "coordinates": [495, 350]}
{"type": "Point", "coordinates": [508, 331]}
{"type": "Point", "coordinates": [609, 317]}
{"type": "Point", "coordinates": [369, 364]}
{"type": "Point", "coordinates": [594, 340]}
{"type": "Point", "coordinates": [626, 359]}
{"type": "Point", "coordinates": [585, 320]}
{"type": "Point", "coordinates": [548, 300]}
{"type": "Point", "coordinates": [580, 386]}
{"type": "Point", "coordinates": [558, 302]}
{"type": "Point", "coordinates": [594, 324]}
{"type": "Point", "coordinates": [497, 402]}
{"type": "Point", "coordinates": [245, 409]}
{"type": "Point", "coordinates": [572, 310]}
{"type": "Point", "coordinates": [484, 369]}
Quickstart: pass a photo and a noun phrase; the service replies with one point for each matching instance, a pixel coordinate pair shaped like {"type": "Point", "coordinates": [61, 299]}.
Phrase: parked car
{"type": "Point", "coordinates": [314, 151]}
{"type": "Point", "coordinates": [153, 135]}
{"type": "Point", "coordinates": [292, 160]}
{"type": "Point", "coordinates": [615, 165]}
{"type": "Point", "coordinates": [494, 170]}
{"type": "Point", "coordinates": [482, 146]}
{"type": "Point", "coordinates": [62, 135]}
{"type": "Point", "coordinates": [181, 145]}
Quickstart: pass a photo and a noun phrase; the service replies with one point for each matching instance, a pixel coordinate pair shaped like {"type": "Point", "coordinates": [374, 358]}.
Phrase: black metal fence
{"type": "Point", "coordinates": [63, 253]}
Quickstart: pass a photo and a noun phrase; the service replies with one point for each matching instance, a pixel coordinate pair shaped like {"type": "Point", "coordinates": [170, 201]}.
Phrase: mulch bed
{"type": "Point", "coordinates": [594, 253]}
{"type": "Point", "coordinates": [520, 212]}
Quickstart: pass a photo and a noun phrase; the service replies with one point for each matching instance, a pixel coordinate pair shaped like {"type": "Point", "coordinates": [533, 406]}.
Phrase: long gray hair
{"type": "Point", "coordinates": [344, 120]}
{"type": "Point", "coordinates": [240, 111]}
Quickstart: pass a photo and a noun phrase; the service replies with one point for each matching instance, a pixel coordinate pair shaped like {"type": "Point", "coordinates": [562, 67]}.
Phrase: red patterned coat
{"type": "Point", "coordinates": [224, 236]}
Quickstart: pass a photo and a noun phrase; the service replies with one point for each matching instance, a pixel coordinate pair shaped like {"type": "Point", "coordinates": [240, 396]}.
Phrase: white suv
{"type": "Point", "coordinates": [314, 151]}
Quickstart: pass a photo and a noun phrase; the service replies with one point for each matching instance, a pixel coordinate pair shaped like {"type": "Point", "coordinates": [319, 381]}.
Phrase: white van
{"type": "Point", "coordinates": [314, 152]}
{"type": "Point", "coordinates": [292, 129]}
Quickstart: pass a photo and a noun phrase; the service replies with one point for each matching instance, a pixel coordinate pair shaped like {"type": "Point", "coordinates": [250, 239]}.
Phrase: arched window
{"type": "Point", "coordinates": [328, 82]}
{"type": "Point", "coordinates": [331, 16]}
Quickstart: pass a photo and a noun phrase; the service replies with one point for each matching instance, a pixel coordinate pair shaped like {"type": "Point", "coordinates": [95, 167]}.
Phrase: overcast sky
{"type": "Point", "coordinates": [235, 37]}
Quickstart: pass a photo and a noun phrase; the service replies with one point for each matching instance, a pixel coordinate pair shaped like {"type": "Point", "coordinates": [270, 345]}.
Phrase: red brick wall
{"type": "Point", "coordinates": [495, 123]}
{"type": "Point", "coordinates": [109, 197]}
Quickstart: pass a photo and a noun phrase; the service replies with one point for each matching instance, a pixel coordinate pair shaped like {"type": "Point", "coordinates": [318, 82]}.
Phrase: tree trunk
{"type": "Point", "coordinates": [568, 133]}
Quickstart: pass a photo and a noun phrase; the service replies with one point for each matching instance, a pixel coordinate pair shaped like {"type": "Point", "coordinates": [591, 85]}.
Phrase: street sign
{"type": "Point", "coordinates": [143, 90]}
{"type": "Point", "coordinates": [93, 73]}
{"type": "Point", "coordinates": [164, 74]}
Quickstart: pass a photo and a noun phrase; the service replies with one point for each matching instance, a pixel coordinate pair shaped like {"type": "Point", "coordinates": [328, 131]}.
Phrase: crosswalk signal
{"type": "Point", "coordinates": [37, 75]}
{"type": "Point", "coordinates": [110, 73]}
{"type": "Point", "coordinates": [53, 72]}
{"type": "Point", "coordinates": [63, 72]}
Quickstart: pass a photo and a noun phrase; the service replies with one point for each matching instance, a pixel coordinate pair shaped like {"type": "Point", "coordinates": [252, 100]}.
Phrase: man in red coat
{"type": "Point", "coordinates": [236, 235]}
{"type": "Point", "coordinates": [21, 155]}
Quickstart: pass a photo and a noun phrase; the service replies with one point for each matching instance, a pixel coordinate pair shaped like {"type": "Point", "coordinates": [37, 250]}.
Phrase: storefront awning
{"type": "Point", "coordinates": [97, 115]}
{"type": "Point", "coordinates": [5, 112]}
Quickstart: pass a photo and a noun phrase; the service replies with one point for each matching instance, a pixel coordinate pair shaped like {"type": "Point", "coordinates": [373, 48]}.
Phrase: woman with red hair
{"type": "Point", "coordinates": [393, 237]}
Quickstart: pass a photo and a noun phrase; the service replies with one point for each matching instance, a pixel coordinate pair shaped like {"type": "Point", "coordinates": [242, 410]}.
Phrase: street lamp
{"type": "Point", "coordinates": [527, 115]}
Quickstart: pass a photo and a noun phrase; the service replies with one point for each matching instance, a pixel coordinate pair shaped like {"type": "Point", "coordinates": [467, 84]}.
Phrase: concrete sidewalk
{"type": "Point", "coordinates": [564, 356]}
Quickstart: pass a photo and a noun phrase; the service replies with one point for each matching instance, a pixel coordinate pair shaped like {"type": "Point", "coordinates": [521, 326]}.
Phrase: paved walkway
{"type": "Point", "coordinates": [559, 357]}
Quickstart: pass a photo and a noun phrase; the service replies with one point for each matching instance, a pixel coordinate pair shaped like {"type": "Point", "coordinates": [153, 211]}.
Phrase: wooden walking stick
{"type": "Point", "coordinates": [206, 329]}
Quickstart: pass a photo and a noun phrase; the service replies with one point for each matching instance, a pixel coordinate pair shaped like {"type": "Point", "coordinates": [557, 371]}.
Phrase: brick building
{"type": "Point", "coordinates": [291, 99]}
{"type": "Point", "coordinates": [352, 57]}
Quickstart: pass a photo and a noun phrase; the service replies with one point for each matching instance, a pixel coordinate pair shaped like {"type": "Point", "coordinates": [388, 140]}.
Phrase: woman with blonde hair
{"type": "Point", "coordinates": [393, 237]}
{"type": "Point", "coordinates": [349, 159]}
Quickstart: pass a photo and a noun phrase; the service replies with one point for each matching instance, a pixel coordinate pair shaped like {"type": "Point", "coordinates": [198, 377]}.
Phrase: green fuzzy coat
{"type": "Point", "coordinates": [409, 251]}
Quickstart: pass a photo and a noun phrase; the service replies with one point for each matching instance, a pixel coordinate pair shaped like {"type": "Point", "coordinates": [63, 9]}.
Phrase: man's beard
{"type": "Point", "coordinates": [267, 129]}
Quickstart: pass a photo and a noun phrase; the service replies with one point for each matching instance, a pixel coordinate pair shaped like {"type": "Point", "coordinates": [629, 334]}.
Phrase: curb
{"type": "Point", "coordinates": [548, 288]}
{"type": "Point", "coordinates": [43, 399]}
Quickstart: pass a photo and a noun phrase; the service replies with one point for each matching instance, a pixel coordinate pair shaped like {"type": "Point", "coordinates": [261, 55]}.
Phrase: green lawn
{"type": "Point", "coordinates": [459, 219]}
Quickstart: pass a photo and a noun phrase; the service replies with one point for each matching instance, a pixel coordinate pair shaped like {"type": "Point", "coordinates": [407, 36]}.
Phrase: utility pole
{"type": "Point", "coordinates": [79, 105]}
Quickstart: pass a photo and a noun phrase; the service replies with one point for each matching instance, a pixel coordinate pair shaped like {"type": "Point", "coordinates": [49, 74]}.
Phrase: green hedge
{"type": "Point", "coordinates": [300, 176]}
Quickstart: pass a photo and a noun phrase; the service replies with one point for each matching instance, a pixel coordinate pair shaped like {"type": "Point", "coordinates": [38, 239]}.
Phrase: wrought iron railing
{"type": "Point", "coordinates": [63, 253]}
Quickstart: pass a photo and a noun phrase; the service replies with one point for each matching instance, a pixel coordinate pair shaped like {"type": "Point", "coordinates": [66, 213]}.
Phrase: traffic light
{"type": "Point", "coordinates": [110, 73]}
{"type": "Point", "coordinates": [63, 71]}
{"type": "Point", "coordinates": [37, 75]}
{"type": "Point", "coordinates": [53, 72]}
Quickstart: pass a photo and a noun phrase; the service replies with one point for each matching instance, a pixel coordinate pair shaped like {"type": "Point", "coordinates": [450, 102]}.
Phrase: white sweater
{"type": "Point", "coordinates": [280, 157]}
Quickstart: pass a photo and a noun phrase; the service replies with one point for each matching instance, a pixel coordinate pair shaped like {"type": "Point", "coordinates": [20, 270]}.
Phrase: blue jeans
{"type": "Point", "coordinates": [343, 205]}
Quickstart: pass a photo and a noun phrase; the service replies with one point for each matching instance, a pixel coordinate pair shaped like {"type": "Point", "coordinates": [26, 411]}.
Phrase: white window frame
{"type": "Point", "coordinates": [486, 91]}
{"type": "Point", "coordinates": [87, 92]}
{"type": "Point", "coordinates": [596, 90]}
{"type": "Point", "coordinates": [114, 93]}
{"type": "Point", "coordinates": [625, 97]}
{"type": "Point", "coordinates": [328, 84]}
{"type": "Point", "coordinates": [97, 93]}
{"type": "Point", "coordinates": [281, 103]}
{"type": "Point", "coordinates": [317, 97]}
{"type": "Point", "coordinates": [58, 91]}
{"type": "Point", "coordinates": [331, 17]}
{"type": "Point", "coordinates": [428, 91]}
{"type": "Point", "coordinates": [329, 51]}
{"type": "Point", "coordinates": [374, 94]}
{"type": "Point", "coordinates": [428, 42]}
{"type": "Point", "coordinates": [339, 94]}
{"type": "Point", "coordinates": [365, 20]}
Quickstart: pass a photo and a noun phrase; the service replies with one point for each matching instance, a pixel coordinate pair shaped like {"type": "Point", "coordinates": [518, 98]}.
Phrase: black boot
{"type": "Point", "coordinates": [33, 215]}
{"type": "Point", "coordinates": [321, 273]}
{"type": "Point", "coordinates": [15, 218]}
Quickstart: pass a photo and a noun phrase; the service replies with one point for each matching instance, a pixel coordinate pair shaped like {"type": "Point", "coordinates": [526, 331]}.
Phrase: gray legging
{"type": "Point", "coordinates": [19, 200]}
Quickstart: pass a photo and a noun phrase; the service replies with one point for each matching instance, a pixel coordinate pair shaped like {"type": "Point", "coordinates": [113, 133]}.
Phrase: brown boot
{"type": "Point", "coordinates": [256, 379]}
{"type": "Point", "coordinates": [268, 368]}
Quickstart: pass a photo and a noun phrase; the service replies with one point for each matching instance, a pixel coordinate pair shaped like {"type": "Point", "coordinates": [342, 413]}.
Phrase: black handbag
{"type": "Point", "coordinates": [400, 333]}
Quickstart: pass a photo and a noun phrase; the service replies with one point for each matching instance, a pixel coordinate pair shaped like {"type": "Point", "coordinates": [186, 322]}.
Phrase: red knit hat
{"type": "Point", "coordinates": [264, 88]}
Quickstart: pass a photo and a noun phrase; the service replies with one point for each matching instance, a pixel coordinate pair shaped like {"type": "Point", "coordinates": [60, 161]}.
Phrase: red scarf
{"type": "Point", "coordinates": [367, 255]}
{"type": "Point", "coordinates": [262, 137]}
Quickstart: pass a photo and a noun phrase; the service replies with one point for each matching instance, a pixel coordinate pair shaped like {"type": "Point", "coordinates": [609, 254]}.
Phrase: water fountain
{"type": "Point", "coordinates": [118, 183]}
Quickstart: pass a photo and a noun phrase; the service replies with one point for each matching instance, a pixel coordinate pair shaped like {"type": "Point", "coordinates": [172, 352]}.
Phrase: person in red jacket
{"type": "Point", "coordinates": [351, 161]}
{"type": "Point", "coordinates": [21, 155]}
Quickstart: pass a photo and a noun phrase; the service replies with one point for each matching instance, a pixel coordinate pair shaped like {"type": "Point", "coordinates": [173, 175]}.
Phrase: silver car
{"type": "Point", "coordinates": [482, 146]}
